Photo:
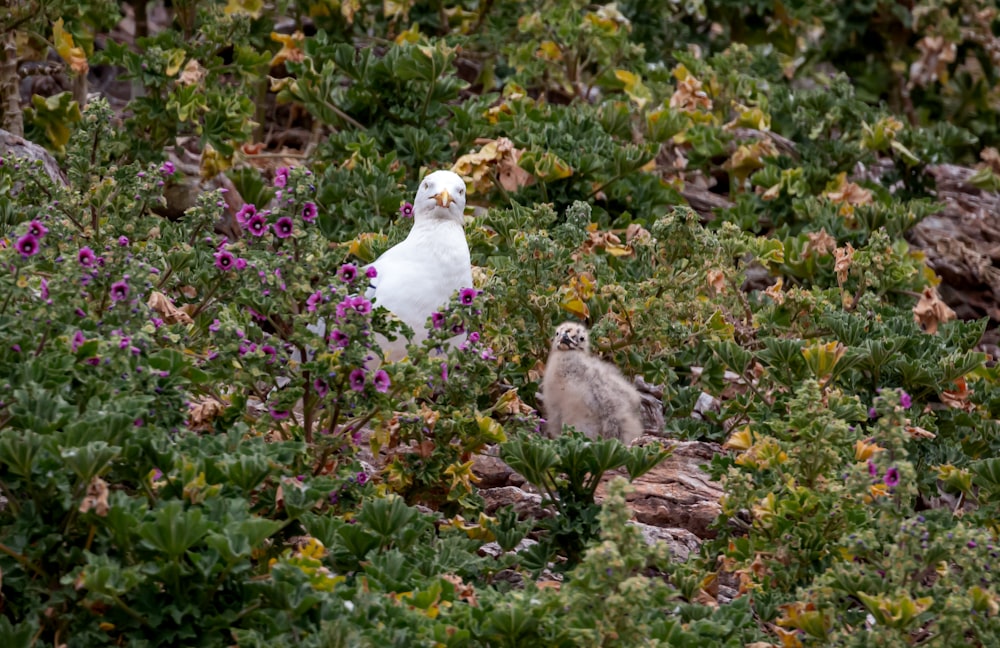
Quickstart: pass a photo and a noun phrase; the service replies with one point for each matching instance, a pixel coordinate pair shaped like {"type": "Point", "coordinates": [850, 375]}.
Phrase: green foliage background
{"type": "Point", "coordinates": [159, 490]}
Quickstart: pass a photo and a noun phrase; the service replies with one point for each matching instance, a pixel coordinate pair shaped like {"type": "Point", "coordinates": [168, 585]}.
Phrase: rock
{"type": "Point", "coordinates": [677, 493]}
{"type": "Point", "coordinates": [12, 145]}
{"type": "Point", "coordinates": [525, 504]}
{"type": "Point", "coordinates": [680, 541]}
{"type": "Point", "coordinates": [491, 471]}
{"type": "Point", "coordinates": [493, 550]}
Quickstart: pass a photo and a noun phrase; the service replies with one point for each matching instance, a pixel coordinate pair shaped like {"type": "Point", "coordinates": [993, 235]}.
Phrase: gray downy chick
{"type": "Point", "coordinates": [583, 391]}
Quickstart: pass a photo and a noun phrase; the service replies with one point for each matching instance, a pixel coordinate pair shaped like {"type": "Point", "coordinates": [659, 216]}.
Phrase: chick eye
{"type": "Point", "coordinates": [461, 191]}
{"type": "Point", "coordinates": [424, 186]}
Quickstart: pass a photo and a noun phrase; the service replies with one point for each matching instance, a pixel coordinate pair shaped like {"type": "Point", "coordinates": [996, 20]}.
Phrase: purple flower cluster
{"type": "Point", "coordinates": [358, 378]}
{"type": "Point", "coordinates": [30, 243]}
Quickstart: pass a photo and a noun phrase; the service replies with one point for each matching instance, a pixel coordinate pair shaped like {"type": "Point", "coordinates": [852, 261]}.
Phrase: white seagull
{"type": "Point", "coordinates": [419, 275]}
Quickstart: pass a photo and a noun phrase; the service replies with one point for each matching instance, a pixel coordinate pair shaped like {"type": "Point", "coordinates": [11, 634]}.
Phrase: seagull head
{"type": "Point", "coordinates": [571, 336]}
{"type": "Point", "coordinates": [441, 196]}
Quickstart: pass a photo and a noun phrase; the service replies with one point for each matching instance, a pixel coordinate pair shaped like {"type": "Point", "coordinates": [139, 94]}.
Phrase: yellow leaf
{"type": "Point", "coordinates": [290, 48]}
{"type": "Point", "coordinates": [74, 56]}
{"type": "Point", "coordinates": [175, 59]}
{"type": "Point", "coordinates": [348, 8]}
{"type": "Point", "coordinates": [576, 306]}
{"type": "Point", "coordinates": [548, 51]}
{"type": "Point", "coordinates": [741, 440]}
{"type": "Point", "coordinates": [393, 9]}
{"type": "Point", "coordinates": [634, 87]}
{"type": "Point", "coordinates": [864, 450]}
{"type": "Point", "coordinates": [252, 8]}
{"type": "Point", "coordinates": [411, 35]}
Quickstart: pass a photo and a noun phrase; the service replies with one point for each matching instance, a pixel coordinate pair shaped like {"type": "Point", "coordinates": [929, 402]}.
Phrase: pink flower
{"type": "Point", "coordinates": [444, 372]}
{"type": "Point", "coordinates": [467, 295]}
{"type": "Point", "coordinates": [892, 477]}
{"type": "Point", "coordinates": [284, 227]}
{"type": "Point", "coordinates": [119, 290]}
{"type": "Point", "coordinates": [313, 301]}
{"type": "Point", "coordinates": [437, 319]}
{"type": "Point", "coordinates": [36, 229]}
{"type": "Point", "coordinates": [86, 257]}
{"type": "Point", "coordinates": [371, 272]}
{"type": "Point", "coordinates": [245, 213]}
{"type": "Point", "coordinates": [381, 381]}
{"type": "Point", "coordinates": [224, 260]}
{"type": "Point", "coordinates": [279, 415]}
{"type": "Point", "coordinates": [905, 400]}
{"type": "Point", "coordinates": [309, 212]}
{"type": "Point", "coordinates": [27, 245]}
{"type": "Point", "coordinates": [339, 338]}
{"type": "Point", "coordinates": [281, 177]}
{"type": "Point", "coordinates": [257, 225]}
{"type": "Point", "coordinates": [347, 272]}
{"type": "Point", "coordinates": [406, 210]}
{"type": "Point", "coordinates": [123, 241]}
{"type": "Point", "coordinates": [357, 379]}
{"type": "Point", "coordinates": [167, 168]}
{"type": "Point", "coordinates": [78, 341]}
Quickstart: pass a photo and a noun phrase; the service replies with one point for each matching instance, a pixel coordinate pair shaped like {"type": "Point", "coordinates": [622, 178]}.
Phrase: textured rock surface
{"type": "Point", "coordinates": [677, 493]}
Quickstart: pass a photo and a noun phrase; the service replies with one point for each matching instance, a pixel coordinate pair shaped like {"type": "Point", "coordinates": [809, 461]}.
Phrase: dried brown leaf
{"type": "Point", "coordinates": [170, 313]}
{"type": "Point", "coordinates": [931, 311]}
{"type": "Point", "coordinates": [96, 498]}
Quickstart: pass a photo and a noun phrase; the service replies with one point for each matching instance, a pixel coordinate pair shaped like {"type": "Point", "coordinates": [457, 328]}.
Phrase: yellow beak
{"type": "Point", "coordinates": [444, 198]}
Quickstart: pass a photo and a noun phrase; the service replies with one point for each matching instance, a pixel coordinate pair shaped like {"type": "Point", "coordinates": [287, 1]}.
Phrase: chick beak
{"type": "Point", "coordinates": [566, 341]}
{"type": "Point", "coordinates": [443, 199]}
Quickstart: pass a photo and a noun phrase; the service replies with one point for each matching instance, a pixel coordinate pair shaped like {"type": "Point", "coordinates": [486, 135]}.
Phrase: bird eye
{"type": "Point", "coordinates": [423, 186]}
{"type": "Point", "coordinates": [461, 191]}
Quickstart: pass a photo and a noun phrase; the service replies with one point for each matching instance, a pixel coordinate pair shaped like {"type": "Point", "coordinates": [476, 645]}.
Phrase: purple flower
{"type": "Point", "coordinates": [971, 544]}
{"type": "Point", "coordinates": [467, 295]}
{"type": "Point", "coordinates": [371, 272]}
{"type": "Point", "coordinates": [245, 213]}
{"type": "Point", "coordinates": [257, 225]}
{"type": "Point", "coordinates": [36, 229]}
{"type": "Point", "coordinates": [362, 478]}
{"type": "Point", "coordinates": [123, 241]}
{"type": "Point", "coordinates": [313, 301]}
{"type": "Point", "coordinates": [320, 387]}
{"type": "Point", "coordinates": [891, 477]}
{"type": "Point", "coordinates": [224, 260]}
{"type": "Point", "coordinates": [284, 227]}
{"type": "Point", "coordinates": [27, 245]}
{"type": "Point", "coordinates": [406, 210]}
{"type": "Point", "coordinates": [167, 168]}
{"type": "Point", "coordinates": [241, 264]}
{"type": "Point", "coordinates": [437, 319]}
{"type": "Point", "coordinates": [361, 305]}
{"type": "Point", "coordinates": [78, 340]}
{"type": "Point", "coordinates": [309, 212]}
{"type": "Point", "coordinates": [905, 400]}
{"type": "Point", "coordinates": [119, 290]}
{"type": "Point", "coordinates": [215, 326]}
{"type": "Point", "coordinates": [458, 329]}
{"type": "Point", "coordinates": [281, 177]}
{"type": "Point", "coordinates": [357, 379]}
{"type": "Point", "coordinates": [872, 413]}
{"type": "Point", "coordinates": [347, 272]}
{"type": "Point", "coordinates": [381, 381]}
{"type": "Point", "coordinates": [270, 352]}
{"type": "Point", "coordinates": [473, 337]}
{"type": "Point", "coordinates": [45, 288]}
{"type": "Point", "coordinates": [339, 338]}
{"type": "Point", "coordinates": [444, 372]}
{"type": "Point", "coordinates": [872, 468]}
{"type": "Point", "coordinates": [279, 415]}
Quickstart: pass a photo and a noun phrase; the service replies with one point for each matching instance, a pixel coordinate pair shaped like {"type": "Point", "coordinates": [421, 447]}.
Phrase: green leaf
{"type": "Point", "coordinates": [174, 530]}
